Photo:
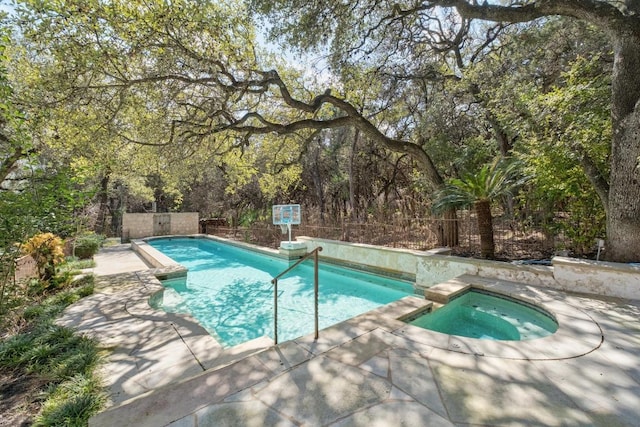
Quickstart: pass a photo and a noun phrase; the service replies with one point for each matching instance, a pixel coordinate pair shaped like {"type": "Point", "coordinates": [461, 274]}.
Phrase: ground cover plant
{"type": "Point", "coordinates": [47, 372]}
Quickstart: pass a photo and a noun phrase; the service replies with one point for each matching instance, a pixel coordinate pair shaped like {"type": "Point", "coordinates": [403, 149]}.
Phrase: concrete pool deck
{"type": "Point", "coordinates": [368, 371]}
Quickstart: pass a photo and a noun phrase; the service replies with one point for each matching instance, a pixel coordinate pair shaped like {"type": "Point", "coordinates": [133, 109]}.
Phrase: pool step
{"type": "Point", "coordinates": [444, 292]}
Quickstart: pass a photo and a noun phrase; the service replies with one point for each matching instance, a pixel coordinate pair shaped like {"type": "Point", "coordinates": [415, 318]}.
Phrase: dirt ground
{"type": "Point", "coordinates": [19, 398]}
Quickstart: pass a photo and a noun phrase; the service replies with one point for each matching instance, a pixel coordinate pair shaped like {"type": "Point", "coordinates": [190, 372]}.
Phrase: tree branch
{"type": "Point", "coordinates": [599, 182]}
{"type": "Point", "coordinates": [352, 118]}
{"type": "Point", "coordinates": [9, 163]}
{"type": "Point", "coordinates": [600, 13]}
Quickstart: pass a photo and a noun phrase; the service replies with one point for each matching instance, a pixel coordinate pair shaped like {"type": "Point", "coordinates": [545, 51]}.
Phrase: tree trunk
{"type": "Point", "coordinates": [623, 220]}
{"type": "Point", "coordinates": [103, 200]}
{"type": "Point", "coordinates": [448, 232]}
{"type": "Point", "coordinates": [485, 228]}
{"type": "Point", "coordinates": [317, 181]}
{"type": "Point", "coordinates": [352, 178]}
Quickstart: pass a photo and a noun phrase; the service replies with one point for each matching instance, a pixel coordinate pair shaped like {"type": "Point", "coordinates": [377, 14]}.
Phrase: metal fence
{"type": "Point", "coordinates": [513, 240]}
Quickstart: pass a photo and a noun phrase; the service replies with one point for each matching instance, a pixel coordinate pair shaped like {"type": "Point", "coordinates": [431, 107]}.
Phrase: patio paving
{"type": "Point", "coordinates": [372, 370]}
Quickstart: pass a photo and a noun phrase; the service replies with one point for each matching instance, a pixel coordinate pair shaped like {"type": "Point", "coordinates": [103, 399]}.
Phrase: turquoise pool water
{"type": "Point", "coordinates": [488, 316]}
{"type": "Point", "coordinates": [229, 291]}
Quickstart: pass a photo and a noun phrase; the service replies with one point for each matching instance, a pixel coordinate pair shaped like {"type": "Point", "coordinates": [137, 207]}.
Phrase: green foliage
{"type": "Point", "coordinates": [46, 202]}
{"type": "Point", "coordinates": [61, 357]}
{"type": "Point", "coordinates": [573, 123]}
{"type": "Point", "coordinates": [87, 245]}
{"type": "Point", "coordinates": [493, 181]}
{"type": "Point", "coordinates": [72, 403]}
{"type": "Point", "coordinates": [74, 265]}
{"type": "Point", "coordinates": [252, 216]}
{"type": "Point", "coordinates": [54, 305]}
{"type": "Point", "coordinates": [123, 133]}
{"type": "Point", "coordinates": [12, 119]}
{"type": "Point", "coordinates": [554, 101]}
{"type": "Point", "coordinates": [150, 125]}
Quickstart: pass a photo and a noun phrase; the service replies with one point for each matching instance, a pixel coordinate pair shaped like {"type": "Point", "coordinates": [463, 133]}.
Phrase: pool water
{"type": "Point", "coordinates": [228, 291]}
{"type": "Point", "coordinates": [483, 315]}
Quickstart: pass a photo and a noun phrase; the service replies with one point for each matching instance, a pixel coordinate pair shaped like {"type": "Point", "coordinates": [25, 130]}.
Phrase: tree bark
{"type": "Point", "coordinates": [449, 232]}
{"type": "Point", "coordinates": [317, 180]}
{"type": "Point", "coordinates": [485, 228]}
{"type": "Point", "coordinates": [623, 219]}
{"type": "Point", "coordinates": [352, 178]}
{"type": "Point", "coordinates": [103, 201]}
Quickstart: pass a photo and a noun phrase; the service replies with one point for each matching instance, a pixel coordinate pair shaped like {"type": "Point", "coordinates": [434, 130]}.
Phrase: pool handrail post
{"type": "Point", "coordinates": [274, 281]}
{"type": "Point", "coordinates": [275, 311]}
{"type": "Point", "coordinates": [315, 291]}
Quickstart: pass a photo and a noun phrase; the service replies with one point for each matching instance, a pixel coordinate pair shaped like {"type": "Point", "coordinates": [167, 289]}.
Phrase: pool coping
{"type": "Point", "coordinates": [353, 341]}
{"type": "Point", "coordinates": [267, 361]}
{"type": "Point", "coordinates": [560, 345]}
{"type": "Point", "coordinates": [563, 344]}
{"type": "Point", "coordinates": [161, 261]}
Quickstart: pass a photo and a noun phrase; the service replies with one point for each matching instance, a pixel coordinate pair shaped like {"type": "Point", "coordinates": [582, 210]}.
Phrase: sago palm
{"type": "Point", "coordinates": [492, 181]}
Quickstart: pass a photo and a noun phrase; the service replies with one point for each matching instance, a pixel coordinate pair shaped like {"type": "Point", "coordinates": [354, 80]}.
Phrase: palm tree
{"type": "Point", "coordinates": [493, 181]}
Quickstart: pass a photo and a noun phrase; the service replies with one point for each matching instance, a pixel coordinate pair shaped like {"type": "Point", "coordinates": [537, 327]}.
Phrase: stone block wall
{"type": "Point", "coordinates": [139, 225]}
{"type": "Point", "coordinates": [433, 269]}
{"type": "Point", "coordinates": [597, 277]}
{"type": "Point", "coordinates": [397, 261]}
{"type": "Point", "coordinates": [26, 268]}
{"type": "Point", "coordinates": [184, 223]}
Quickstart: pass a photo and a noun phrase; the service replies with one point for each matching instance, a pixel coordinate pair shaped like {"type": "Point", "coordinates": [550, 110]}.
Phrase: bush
{"type": "Point", "coordinates": [60, 359]}
{"type": "Point", "coordinates": [47, 250]}
{"type": "Point", "coordinates": [87, 245]}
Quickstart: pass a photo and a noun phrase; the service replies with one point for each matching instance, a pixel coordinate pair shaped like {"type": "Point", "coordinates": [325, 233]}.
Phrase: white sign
{"type": "Point", "coordinates": [286, 214]}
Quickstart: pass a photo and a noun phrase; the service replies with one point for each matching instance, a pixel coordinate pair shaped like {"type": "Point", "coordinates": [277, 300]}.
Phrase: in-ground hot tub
{"type": "Point", "coordinates": [486, 315]}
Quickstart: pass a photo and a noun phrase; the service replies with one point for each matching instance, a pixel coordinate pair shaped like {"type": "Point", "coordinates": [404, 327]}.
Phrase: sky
{"type": "Point", "coordinates": [6, 6]}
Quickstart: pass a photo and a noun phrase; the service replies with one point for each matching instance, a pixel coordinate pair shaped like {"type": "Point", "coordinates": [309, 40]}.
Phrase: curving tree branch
{"type": "Point", "coordinates": [600, 13]}
{"type": "Point", "coordinates": [350, 117]}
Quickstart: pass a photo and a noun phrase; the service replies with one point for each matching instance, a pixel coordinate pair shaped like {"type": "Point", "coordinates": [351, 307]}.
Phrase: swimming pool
{"type": "Point", "coordinates": [486, 315]}
{"type": "Point", "coordinates": [228, 291]}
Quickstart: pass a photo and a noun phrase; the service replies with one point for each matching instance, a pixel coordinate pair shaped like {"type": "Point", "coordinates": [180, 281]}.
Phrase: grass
{"type": "Point", "coordinates": [73, 265]}
{"type": "Point", "coordinates": [63, 361]}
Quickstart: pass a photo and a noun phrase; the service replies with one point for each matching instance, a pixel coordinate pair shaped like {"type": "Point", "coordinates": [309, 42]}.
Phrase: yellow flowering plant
{"type": "Point", "coordinates": [47, 250]}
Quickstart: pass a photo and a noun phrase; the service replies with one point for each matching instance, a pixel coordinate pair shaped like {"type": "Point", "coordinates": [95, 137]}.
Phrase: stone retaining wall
{"type": "Point", "coordinates": [139, 225]}
{"type": "Point", "coordinates": [26, 268]}
{"type": "Point", "coordinates": [432, 267]}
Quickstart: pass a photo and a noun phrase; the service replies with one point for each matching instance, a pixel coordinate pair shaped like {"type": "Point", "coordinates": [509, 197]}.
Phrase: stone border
{"type": "Point", "coordinates": [165, 267]}
{"type": "Point", "coordinates": [597, 277]}
{"type": "Point", "coordinates": [157, 259]}
{"type": "Point", "coordinates": [577, 334]}
{"type": "Point", "coordinates": [430, 268]}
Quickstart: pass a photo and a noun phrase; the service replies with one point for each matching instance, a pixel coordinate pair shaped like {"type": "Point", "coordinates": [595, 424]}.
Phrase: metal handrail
{"type": "Point", "coordinates": [274, 281]}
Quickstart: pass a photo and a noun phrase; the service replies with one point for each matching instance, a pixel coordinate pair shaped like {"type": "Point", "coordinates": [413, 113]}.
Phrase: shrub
{"type": "Point", "coordinates": [47, 250]}
{"type": "Point", "coordinates": [87, 245]}
{"type": "Point", "coordinates": [59, 358]}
